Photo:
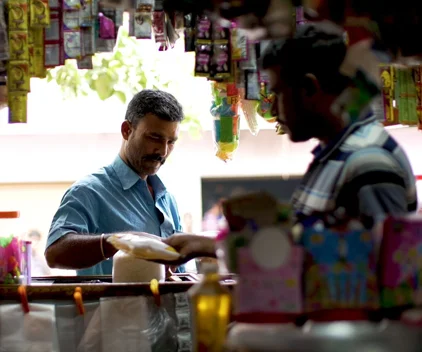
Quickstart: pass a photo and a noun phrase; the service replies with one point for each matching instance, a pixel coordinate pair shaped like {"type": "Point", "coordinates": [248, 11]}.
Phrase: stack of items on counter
{"type": "Point", "coordinates": [319, 274]}
{"type": "Point", "coordinates": [402, 95]}
{"type": "Point", "coordinates": [38, 35]}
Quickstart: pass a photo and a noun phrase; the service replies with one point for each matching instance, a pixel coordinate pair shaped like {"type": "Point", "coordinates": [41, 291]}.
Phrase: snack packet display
{"type": "Point", "coordinates": [225, 110]}
{"type": "Point", "coordinates": [144, 247]}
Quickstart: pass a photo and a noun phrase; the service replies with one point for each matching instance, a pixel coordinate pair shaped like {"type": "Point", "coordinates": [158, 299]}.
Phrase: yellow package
{"type": "Point", "coordinates": [146, 247]}
{"type": "Point", "coordinates": [18, 76]}
{"type": "Point", "coordinates": [39, 13]}
{"type": "Point", "coordinates": [18, 15]}
{"type": "Point", "coordinates": [18, 107]}
{"type": "Point", "coordinates": [38, 67]}
{"type": "Point", "coordinates": [18, 45]}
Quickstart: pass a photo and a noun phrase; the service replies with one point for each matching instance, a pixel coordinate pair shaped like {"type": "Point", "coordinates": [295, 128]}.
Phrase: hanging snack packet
{"type": "Point", "coordinates": [18, 107]}
{"type": "Point", "coordinates": [18, 45]}
{"type": "Point", "coordinates": [252, 86]}
{"type": "Point", "coordinates": [203, 29]}
{"type": "Point", "coordinates": [266, 102]}
{"type": "Point", "coordinates": [144, 247]}
{"type": "Point", "coordinates": [159, 27]}
{"type": "Point", "coordinates": [203, 60]}
{"type": "Point", "coordinates": [189, 32]}
{"type": "Point", "coordinates": [239, 45]}
{"type": "Point", "coordinates": [225, 109]}
{"type": "Point", "coordinates": [417, 73]}
{"type": "Point", "coordinates": [18, 15]}
{"type": "Point", "coordinates": [143, 21]}
{"type": "Point", "coordinates": [221, 63]}
{"type": "Point", "coordinates": [39, 13]}
{"type": "Point", "coordinates": [71, 34]}
{"type": "Point", "coordinates": [38, 59]}
{"type": "Point", "coordinates": [220, 34]}
{"type": "Point", "coordinates": [18, 76]}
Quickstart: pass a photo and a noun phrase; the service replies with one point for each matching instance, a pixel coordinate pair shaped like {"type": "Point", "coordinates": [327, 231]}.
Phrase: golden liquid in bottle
{"type": "Point", "coordinates": [211, 304]}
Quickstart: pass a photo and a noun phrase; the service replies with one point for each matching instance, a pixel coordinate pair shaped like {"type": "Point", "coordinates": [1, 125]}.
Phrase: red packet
{"type": "Point", "coordinates": [159, 27]}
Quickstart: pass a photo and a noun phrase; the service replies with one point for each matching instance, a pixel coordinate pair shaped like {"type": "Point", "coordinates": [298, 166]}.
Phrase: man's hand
{"type": "Point", "coordinates": [191, 246]}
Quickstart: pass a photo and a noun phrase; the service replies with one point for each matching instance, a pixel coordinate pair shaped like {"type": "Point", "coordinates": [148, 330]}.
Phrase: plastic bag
{"type": "Point", "coordinates": [35, 331]}
{"type": "Point", "coordinates": [162, 329]}
{"type": "Point", "coordinates": [225, 110]}
{"type": "Point", "coordinates": [143, 247]}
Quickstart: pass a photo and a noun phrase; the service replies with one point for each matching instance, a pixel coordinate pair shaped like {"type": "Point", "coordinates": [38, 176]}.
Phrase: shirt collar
{"type": "Point", "coordinates": [323, 151]}
{"type": "Point", "coordinates": [129, 178]}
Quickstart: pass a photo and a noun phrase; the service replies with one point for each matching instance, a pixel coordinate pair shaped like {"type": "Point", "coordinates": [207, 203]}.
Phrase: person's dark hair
{"type": "Point", "coordinates": [311, 50]}
{"type": "Point", "coordinates": [161, 104]}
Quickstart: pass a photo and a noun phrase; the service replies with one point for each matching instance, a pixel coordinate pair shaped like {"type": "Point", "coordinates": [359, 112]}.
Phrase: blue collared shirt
{"type": "Point", "coordinates": [115, 199]}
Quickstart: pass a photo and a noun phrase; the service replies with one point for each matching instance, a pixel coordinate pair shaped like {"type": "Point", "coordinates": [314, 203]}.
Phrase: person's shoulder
{"type": "Point", "coordinates": [376, 161]}
{"type": "Point", "coordinates": [92, 183]}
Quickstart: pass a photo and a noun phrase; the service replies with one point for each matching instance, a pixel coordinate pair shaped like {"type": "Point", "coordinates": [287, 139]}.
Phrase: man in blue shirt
{"type": "Point", "coordinates": [125, 196]}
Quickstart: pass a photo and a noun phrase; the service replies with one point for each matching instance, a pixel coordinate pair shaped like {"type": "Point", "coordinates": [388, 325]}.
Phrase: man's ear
{"type": "Point", "coordinates": [310, 84]}
{"type": "Point", "coordinates": [126, 129]}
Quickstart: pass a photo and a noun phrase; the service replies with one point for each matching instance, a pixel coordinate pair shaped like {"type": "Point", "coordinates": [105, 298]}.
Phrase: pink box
{"type": "Point", "coordinates": [401, 262]}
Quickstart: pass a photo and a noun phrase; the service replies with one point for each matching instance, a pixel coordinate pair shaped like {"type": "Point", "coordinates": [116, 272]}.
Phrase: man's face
{"type": "Point", "coordinates": [298, 111]}
{"type": "Point", "coordinates": [149, 143]}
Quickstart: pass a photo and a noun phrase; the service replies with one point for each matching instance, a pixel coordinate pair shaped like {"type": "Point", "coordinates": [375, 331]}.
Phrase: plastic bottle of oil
{"type": "Point", "coordinates": [211, 308]}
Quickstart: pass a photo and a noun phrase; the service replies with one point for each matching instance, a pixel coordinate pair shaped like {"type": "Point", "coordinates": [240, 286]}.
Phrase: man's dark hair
{"type": "Point", "coordinates": [161, 104]}
{"type": "Point", "coordinates": [311, 50]}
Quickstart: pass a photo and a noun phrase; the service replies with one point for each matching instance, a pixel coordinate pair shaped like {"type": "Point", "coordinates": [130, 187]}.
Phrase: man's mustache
{"type": "Point", "coordinates": [154, 157]}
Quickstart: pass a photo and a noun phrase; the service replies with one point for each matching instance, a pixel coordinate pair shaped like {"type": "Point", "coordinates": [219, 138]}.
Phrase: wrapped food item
{"type": "Point", "coordinates": [72, 34]}
{"type": "Point", "coordinates": [225, 109]}
{"type": "Point", "coordinates": [142, 23]}
{"type": "Point", "coordinates": [144, 247]}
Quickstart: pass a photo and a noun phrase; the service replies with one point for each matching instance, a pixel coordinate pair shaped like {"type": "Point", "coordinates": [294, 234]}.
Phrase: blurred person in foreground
{"type": "Point", "coordinates": [125, 196]}
{"type": "Point", "coordinates": [357, 168]}
{"type": "Point", "coordinates": [39, 265]}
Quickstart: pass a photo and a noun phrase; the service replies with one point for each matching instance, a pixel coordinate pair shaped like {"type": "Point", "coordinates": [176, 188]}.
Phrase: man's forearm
{"type": "Point", "coordinates": [77, 251]}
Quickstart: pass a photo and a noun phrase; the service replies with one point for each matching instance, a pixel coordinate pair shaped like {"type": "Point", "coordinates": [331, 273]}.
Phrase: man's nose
{"type": "Point", "coordinates": [163, 150]}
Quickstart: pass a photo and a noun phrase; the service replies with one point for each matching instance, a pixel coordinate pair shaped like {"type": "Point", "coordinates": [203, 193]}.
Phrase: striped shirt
{"type": "Point", "coordinates": [363, 171]}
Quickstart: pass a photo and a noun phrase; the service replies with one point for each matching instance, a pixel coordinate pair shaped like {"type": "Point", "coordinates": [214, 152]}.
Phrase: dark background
{"type": "Point", "coordinates": [213, 189]}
